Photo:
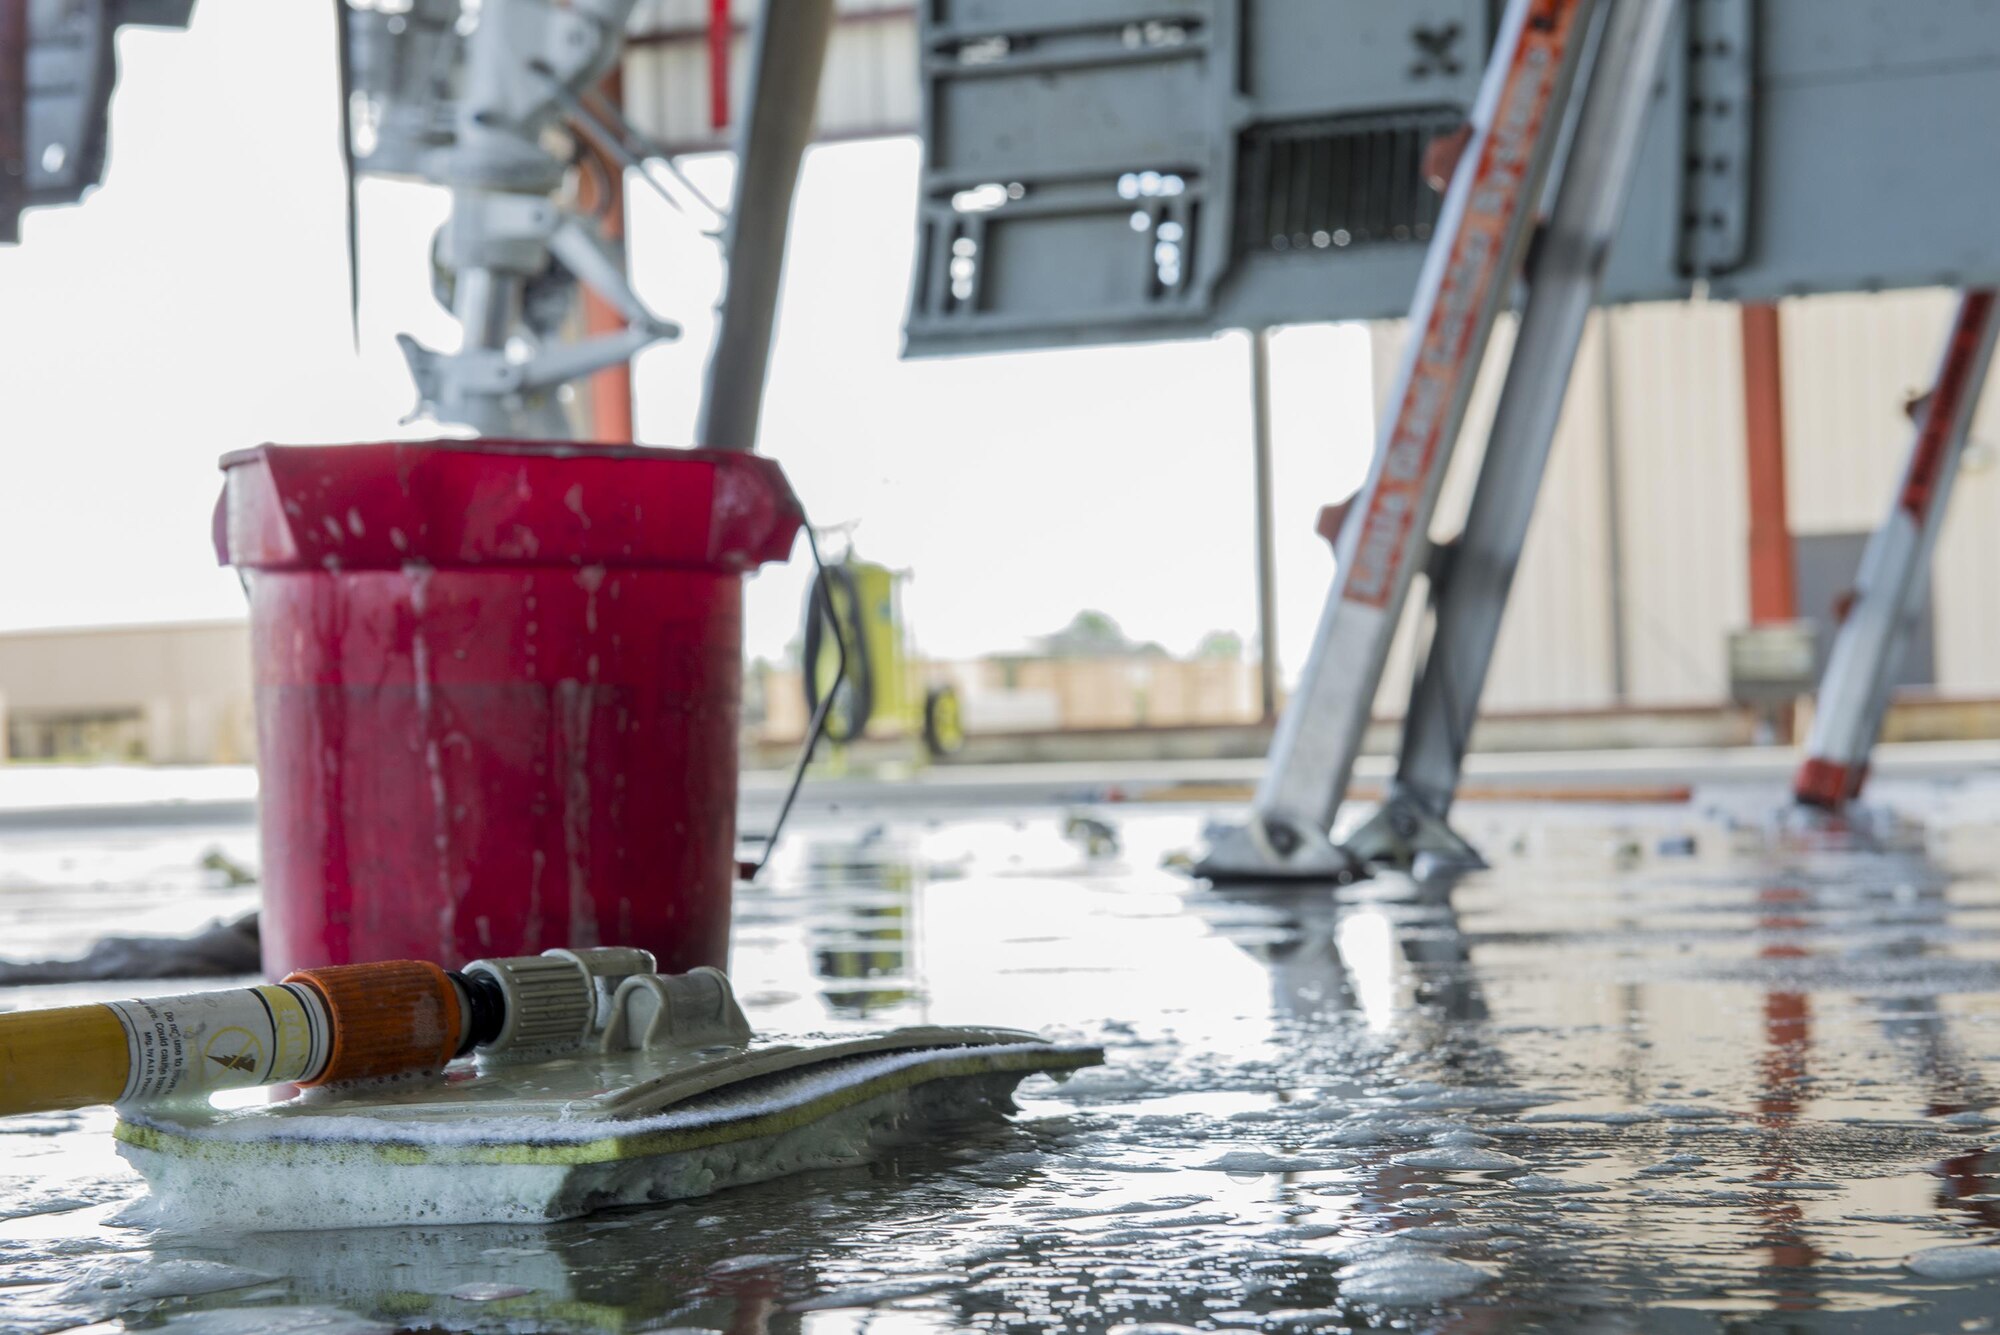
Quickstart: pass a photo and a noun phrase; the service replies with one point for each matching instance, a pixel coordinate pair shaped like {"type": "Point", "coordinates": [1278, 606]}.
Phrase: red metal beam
{"type": "Point", "coordinates": [1774, 585]}
{"type": "Point", "coordinates": [676, 34]}
{"type": "Point", "coordinates": [720, 34]}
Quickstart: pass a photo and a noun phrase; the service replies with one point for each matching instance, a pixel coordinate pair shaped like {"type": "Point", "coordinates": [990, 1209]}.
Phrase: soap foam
{"type": "Point", "coordinates": [1973, 1261]}
{"type": "Point", "coordinates": [733, 1103]}
{"type": "Point", "coordinates": [1459, 1159]}
{"type": "Point", "coordinates": [127, 1282]}
{"type": "Point", "coordinates": [277, 1321]}
{"type": "Point", "coordinates": [1409, 1277]}
{"type": "Point", "coordinates": [334, 1184]}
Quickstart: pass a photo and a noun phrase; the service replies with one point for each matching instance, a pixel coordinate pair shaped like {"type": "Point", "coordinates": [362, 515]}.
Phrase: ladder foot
{"type": "Point", "coordinates": [1401, 831]}
{"type": "Point", "coordinates": [1855, 826]}
{"type": "Point", "coordinates": [1273, 849]}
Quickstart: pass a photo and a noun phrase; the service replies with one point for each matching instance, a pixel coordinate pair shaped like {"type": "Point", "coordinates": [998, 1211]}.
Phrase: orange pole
{"type": "Point", "coordinates": [1774, 586]}
{"type": "Point", "coordinates": [1774, 581]}
{"type": "Point", "coordinates": [611, 388]}
{"type": "Point", "coordinates": [720, 29]}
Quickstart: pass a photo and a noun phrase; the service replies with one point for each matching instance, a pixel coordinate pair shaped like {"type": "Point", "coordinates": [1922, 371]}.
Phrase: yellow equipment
{"type": "Point", "coordinates": [884, 687]}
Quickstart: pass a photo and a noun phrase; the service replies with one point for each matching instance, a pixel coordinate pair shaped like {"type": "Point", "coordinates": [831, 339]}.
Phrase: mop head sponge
{"type": "Point", "coordinates": [561, 1139]}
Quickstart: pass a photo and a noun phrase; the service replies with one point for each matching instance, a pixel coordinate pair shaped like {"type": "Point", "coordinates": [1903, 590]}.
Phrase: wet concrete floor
{"type": "Point", "coordinates": [1664, 1068]}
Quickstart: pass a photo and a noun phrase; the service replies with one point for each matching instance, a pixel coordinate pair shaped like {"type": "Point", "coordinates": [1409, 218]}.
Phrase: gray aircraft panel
{"type": "Point", "coordinates": [1162, 170]}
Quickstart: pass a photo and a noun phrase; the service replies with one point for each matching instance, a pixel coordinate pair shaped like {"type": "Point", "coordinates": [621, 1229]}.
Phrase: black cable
{"type": "Point", "coordinates": [860, 698]}
{"type": "Point", "coordinates": [814, 729]}
{"type": "Point", "coordinates": [342, 25]}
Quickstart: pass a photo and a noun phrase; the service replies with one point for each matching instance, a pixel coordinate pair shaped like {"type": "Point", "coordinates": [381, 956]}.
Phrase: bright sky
{"type": "Point", "coordinates": [197, 303]}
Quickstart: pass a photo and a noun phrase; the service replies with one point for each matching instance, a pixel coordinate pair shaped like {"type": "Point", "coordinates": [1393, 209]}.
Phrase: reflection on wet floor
{"type": "Point", "coordinates": [1653, 1072]}
{"type": "Point", "coordinates": [864, 939]}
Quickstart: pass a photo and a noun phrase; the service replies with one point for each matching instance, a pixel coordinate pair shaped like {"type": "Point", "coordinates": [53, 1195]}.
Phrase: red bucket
{"type": "Point", "coordinates": [497, 692]}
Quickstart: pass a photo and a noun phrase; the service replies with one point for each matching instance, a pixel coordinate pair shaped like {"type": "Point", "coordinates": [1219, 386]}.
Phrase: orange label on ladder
{"type": "Point", "coordinates": [1474, 264]}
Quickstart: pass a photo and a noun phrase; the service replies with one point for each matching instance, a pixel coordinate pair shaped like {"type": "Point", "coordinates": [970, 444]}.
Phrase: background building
{"type": "Point", "coordinates": [1636, 570]}
{"type": "Point", "coordinates": [170, 694]}
{"type": "Point", "coordinates": [1638, 564]}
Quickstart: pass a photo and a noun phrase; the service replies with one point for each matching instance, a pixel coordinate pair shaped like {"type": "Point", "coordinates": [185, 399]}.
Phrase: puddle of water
{"type": "Point", "coordinates": [1603, 1087]}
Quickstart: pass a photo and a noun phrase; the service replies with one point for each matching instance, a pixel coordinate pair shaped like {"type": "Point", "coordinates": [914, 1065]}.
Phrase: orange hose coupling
{"type": "Point", "coordinates": [393, 1018]}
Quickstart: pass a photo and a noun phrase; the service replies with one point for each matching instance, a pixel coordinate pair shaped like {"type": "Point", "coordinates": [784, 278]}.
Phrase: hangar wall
{"type": "Point", "coordinates": [1652, 440]}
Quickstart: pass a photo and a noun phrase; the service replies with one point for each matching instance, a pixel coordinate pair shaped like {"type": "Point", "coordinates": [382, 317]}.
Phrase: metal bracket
{"type": "Point", "coordinates": [1716, 165]}
{"type": "Point", "coordinates": [487, 386]}
{"type": "Point", "coordinates": [1138, 205]}
{"type": "Point", "coordinates": [1402, 830]}
{"type": "Point", "coordinates": [1269, 848]}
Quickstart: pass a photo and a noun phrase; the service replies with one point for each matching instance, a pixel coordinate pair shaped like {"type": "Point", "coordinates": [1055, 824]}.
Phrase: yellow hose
{"type": "Point", "coordinates": [71, 1057]}
{"type": "Point", "coordinates": [345, 1022]}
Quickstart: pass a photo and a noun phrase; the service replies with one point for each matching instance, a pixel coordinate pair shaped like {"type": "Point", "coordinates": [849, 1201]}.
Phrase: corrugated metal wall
{"type": "Point", "coordinates": [1964, 574]}
{"type": "Point", "coordinates": [1851, 364]}
{"type": "Point", "coordinates": [1557, 648]}
{"type": "Point", "coordinates": [1673, 409]}
{"type": "Point", "coordinates": [1678, 381]}
{"type": "Point", "coordinates": [869, 87]}
{"type": "Point", "coordinates": [1566, 587]}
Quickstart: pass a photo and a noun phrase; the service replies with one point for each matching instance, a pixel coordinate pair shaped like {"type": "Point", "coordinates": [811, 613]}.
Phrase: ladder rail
{"type": "Point", "coordinates": [1895, 567]}
{"type": "Point", "coordinates": [1476, 251]}
{"type": "Point", "coordinates": [1563, 277]}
